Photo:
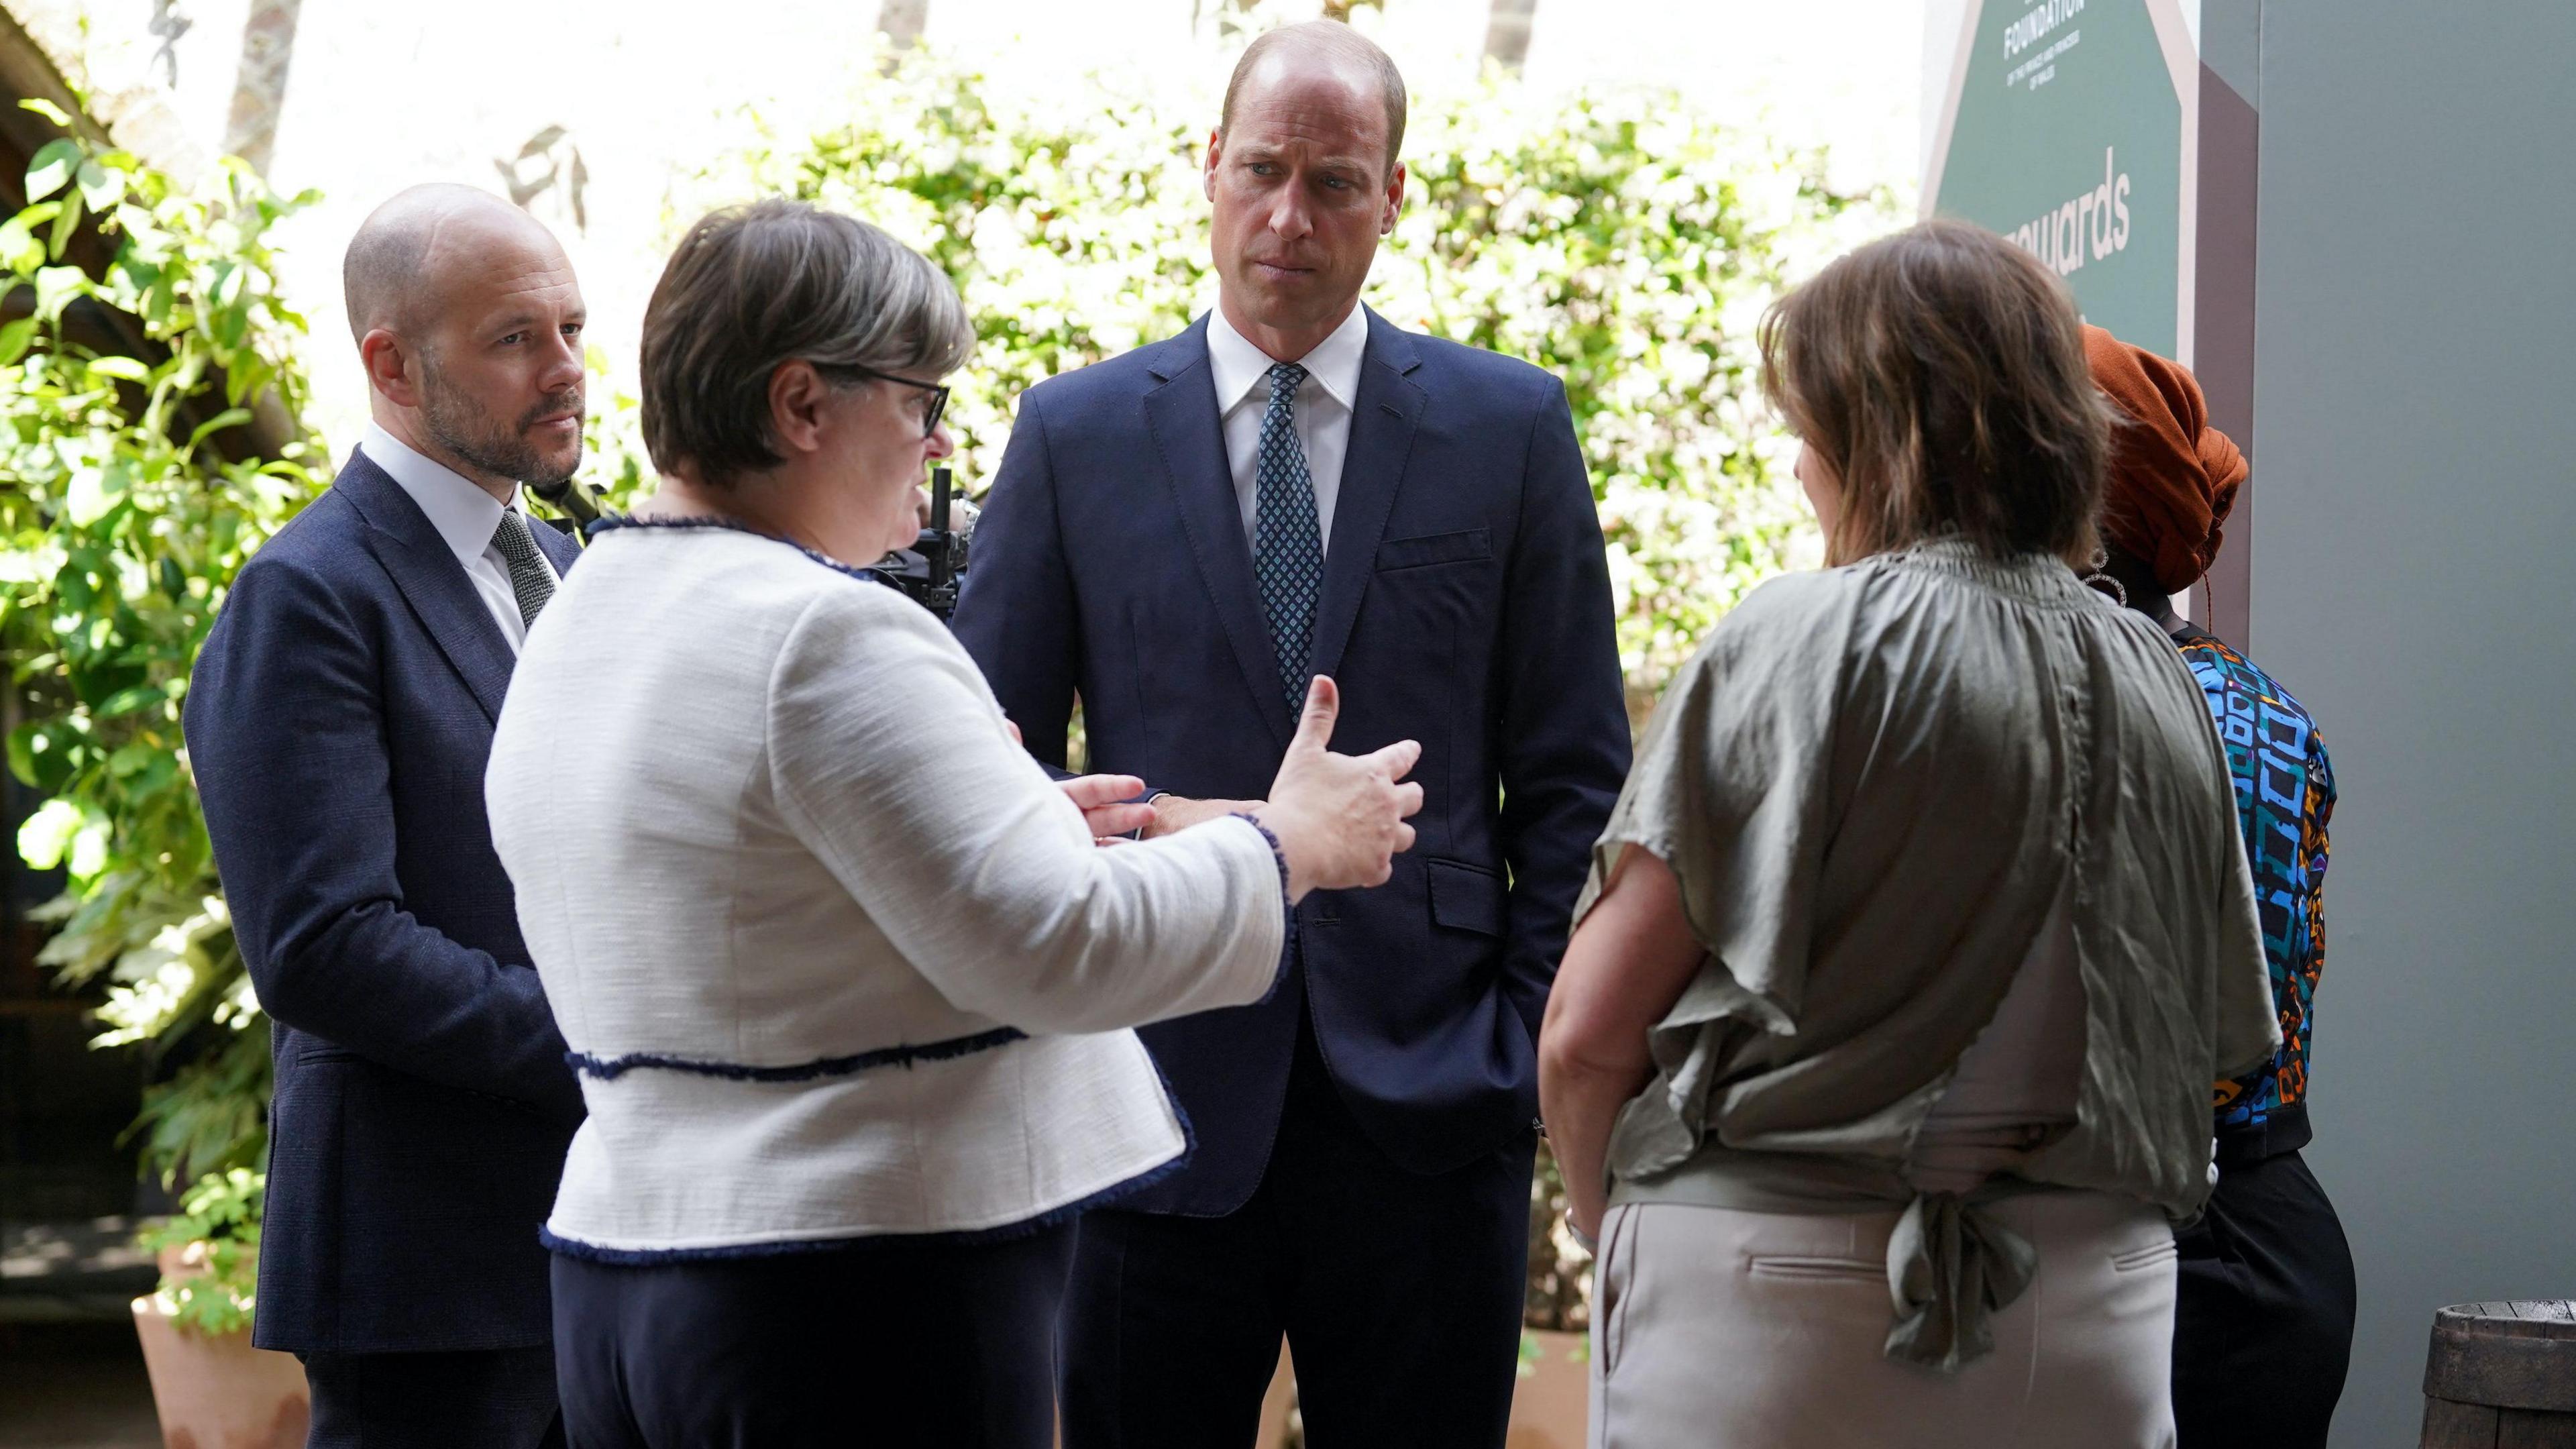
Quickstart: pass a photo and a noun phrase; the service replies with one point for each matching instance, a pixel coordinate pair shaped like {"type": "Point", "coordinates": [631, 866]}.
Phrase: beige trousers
{"type": "Point", "coordinates": [1719, 1329]}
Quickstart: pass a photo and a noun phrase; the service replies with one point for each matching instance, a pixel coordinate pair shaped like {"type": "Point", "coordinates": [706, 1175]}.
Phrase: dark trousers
{"type": "Point", "coordinates": [887, 1342]}
{"type": "Point", "coordinates": [504, 1398]}
{"type": "Point", "coordinates": [1400, 1296]}
{"type": "Point", "coordinates": [2263, 1319]}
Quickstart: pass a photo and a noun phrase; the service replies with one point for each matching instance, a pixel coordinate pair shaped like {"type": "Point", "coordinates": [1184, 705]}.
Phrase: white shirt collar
{"type": "Point", "coordinates": [1239, 367]}
{"type": "Point", "coordinates": [464, 515]}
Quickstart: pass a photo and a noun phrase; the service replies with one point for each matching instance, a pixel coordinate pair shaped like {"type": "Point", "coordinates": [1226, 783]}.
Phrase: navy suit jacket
{"type": "Point", "coordinates": [338, 724]}
{"type": "Point", "coordinates": [1465, 604]}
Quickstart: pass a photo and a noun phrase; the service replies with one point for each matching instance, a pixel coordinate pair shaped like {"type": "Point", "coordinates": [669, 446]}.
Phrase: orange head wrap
{"type": "Point", "coordinates": [2173, 476]}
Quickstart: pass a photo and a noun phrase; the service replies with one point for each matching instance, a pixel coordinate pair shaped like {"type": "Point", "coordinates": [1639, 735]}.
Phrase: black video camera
{"type": "Point", "coordinates": [577, 502]}
{"type": "Point", "coordinates": [931, 570]}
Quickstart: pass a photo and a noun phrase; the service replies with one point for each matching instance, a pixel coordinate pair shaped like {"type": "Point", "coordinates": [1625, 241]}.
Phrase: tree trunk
{"type": "Point", "coordinates": [901, 20]}
{"type": "Point", "coordinates": [1507, 32]}
{"type": "Point", "coordinates": [259, 86]}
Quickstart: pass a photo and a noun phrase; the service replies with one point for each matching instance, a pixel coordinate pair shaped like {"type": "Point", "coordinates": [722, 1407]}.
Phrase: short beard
{"type": "Point", "coordinates": [462, 426]}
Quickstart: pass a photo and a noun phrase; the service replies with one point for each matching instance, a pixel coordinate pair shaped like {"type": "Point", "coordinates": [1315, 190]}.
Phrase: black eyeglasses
{"type": "Point", "coordinates": [938, 392]}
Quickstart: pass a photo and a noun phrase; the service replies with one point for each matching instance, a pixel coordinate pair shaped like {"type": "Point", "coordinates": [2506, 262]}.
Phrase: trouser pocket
{"type": "Point", "coordinates": [1807, 1268]}
{"type": "Point", "coordinates": [2140, 1259]}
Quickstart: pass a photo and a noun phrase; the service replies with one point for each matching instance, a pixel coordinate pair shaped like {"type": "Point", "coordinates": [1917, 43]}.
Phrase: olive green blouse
{"type": "Point", "coordinates": [1871, 782]}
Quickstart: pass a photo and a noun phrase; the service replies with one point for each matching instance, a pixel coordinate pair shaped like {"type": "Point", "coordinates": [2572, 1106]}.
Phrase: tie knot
{"type": "Point", "coordinates": [1284, 379]}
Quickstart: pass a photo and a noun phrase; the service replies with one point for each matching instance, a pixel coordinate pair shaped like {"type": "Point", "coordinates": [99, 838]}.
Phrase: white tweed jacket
{"type": "Point", "coordinates": [833, 955]}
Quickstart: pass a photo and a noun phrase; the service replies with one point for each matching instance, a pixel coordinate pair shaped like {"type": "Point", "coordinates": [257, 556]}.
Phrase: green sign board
{"type": "Point", "coordinates": [2066, 133]}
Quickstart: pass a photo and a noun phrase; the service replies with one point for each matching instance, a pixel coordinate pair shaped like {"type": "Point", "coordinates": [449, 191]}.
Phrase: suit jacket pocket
{"type": "Point", "coordinates": [1435, 548]}
{"type": "Point", "coordinates": [1465, 897]}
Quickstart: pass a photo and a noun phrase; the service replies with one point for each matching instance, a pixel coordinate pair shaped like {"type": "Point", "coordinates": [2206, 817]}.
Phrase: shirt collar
{"type": "Point", "coordinates": [464, 515]}
{"type": "Point", "coordinates": [1239, 367]}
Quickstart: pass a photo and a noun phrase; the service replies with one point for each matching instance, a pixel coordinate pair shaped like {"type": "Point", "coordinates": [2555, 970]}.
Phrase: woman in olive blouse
{"type": "Point", "coordinates": [1879, 1059]}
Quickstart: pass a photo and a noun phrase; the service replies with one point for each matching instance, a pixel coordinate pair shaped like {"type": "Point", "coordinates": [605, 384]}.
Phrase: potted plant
{"type": "Point", "coordinates": [213, 1389]}
{"type": "Point", "coordinates": [148, 396]}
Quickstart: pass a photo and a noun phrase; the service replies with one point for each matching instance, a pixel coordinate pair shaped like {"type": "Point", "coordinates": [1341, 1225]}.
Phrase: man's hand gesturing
{"type": "Point", "coordinates": [1339, 818]}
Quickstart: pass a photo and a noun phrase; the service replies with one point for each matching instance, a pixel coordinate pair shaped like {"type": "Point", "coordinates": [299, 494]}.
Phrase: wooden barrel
{"type": "Point", "coordinates": [2501, 1376]}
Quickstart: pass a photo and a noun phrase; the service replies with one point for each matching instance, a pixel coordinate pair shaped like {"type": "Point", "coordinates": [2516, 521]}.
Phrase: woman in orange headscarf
{"type": "Point", "coordinates": [2263, 1321]}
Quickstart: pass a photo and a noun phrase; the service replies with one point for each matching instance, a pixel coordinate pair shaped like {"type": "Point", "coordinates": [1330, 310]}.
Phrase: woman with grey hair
{"type": "Point", "coordinates": [847, 979]}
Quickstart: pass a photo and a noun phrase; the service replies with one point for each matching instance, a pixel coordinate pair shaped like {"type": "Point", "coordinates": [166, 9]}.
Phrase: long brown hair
{"type": "Point", "coordinates": [1940, 373]}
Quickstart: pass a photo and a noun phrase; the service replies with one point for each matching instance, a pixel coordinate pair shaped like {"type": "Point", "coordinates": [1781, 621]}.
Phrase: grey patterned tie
{"type": "Point", "coordinates": [530, 580]}
{"type": "Point", "coordinates": [1288, 546]}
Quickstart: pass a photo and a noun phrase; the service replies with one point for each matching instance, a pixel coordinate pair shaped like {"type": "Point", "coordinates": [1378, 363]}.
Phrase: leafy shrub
{"type": "Point", "coordinates": [123, 518]}
{"type": "Point", "coordinates": [217, 1237]}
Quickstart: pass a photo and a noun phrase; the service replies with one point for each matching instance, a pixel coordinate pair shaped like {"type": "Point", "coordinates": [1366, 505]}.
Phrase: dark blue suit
{"type": "Point", "coordinates": [1466, 605]}
{"type": "Point", "coordinates": [338, 723]}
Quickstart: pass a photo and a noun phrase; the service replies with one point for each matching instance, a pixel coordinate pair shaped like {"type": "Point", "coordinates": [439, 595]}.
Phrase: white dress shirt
{"type": "Point", "coordinates": [466, 517]}
{"type": "Point", "coordinates": [1323, 409]}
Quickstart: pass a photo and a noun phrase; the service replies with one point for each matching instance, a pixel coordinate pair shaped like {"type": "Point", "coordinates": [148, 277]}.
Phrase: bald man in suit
{"type": "Point", "coordinates": [338, 723]}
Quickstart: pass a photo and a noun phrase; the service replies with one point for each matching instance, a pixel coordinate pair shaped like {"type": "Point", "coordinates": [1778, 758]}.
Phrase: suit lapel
{"type": "Point", "coordinates": [561, 549]}
{"type": "Point", "coordinates": [431, 580]}
{"type": "Point", "coordinates": [1182, 414]}
{"type": "Point", "coordinates": [1383, 417]}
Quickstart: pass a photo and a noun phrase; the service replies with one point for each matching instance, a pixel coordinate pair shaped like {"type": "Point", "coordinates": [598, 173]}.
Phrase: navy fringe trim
{"type": "Point", "coordinates": [1287, 938]}
{"type": "Point", "coordinates": [1026, 1227]}
{"type": "Point", "coordinates": [609, 522]}
{"type": "Point", "coordinates": [611, 1068]}
{"type": "Point", "coordinates": [1277, 853]}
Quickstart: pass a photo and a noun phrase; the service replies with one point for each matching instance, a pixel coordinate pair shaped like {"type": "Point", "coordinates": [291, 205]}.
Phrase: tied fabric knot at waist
{"type": "Point", "coordinates": [1950, 1266]}
{"type": "Point", "coordinates": [1951, 1263]}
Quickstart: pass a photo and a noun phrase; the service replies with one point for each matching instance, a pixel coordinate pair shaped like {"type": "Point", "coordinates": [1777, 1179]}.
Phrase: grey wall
{"type": "Point", "coordinates": [2414, 537]}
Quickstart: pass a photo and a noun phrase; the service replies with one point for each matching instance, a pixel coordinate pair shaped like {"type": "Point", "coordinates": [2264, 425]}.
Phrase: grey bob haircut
{"type": "Point", "coordinates": [753, 287]}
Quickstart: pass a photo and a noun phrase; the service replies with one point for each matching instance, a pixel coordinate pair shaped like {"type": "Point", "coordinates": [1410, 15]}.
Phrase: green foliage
{"type": "Point", "coordinates": [216, 1234]}
{"type": "Point", "coordinates": [613, 464]}
{"type": "Point", "coordinates": [126, 506]}
{"type": "Point", "coordinates": [1628, 244]}
{"type": "Point", "coordinates": [1619, 239]}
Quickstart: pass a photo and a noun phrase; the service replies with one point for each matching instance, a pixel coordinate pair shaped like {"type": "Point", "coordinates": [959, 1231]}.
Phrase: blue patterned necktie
{"type": "Point", "coordinates": [1288, 546]}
